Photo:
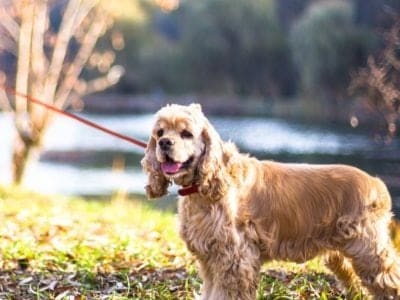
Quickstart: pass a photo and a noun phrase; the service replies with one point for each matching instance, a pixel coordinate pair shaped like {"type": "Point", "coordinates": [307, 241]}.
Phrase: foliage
{"type": "Point", "coordinates": [326, 45]}
{"type": "Point", "coordinates": [125, 10]}
{"type": "Point", "coordinates": [248, 47]}
{"type": "Point", "coordinates": [377, 85]}
{"type": "Point", "coordinates": [59, 248]}
{"type": "Point", "coordinates": [209, 46]}
{"type": "Point", "coordinates": [235, 46]}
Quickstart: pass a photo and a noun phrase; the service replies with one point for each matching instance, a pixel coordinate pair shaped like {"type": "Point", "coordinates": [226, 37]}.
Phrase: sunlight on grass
{"type": "Point", "coordinates": [82, 239]}
{"type": "Point", "coordinates": [53, 247]}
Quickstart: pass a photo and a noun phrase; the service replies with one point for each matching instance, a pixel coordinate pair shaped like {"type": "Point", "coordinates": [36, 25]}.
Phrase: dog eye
{"type": "Point", "coordinates": [186, 134]}
{"type": "Point", "coordinates": [160, 132]}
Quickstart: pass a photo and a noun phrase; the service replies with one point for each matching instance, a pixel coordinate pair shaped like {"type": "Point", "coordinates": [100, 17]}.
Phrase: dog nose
{"type": "Point", "coordinates": [165, 144]}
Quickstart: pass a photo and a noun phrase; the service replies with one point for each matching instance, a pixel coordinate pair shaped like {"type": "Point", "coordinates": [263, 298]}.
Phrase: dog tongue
{"type": "Point", "coordinates": [170, 167]}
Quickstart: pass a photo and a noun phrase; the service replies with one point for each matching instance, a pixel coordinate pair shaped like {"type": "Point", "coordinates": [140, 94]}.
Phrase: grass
{"type": "Point", "coordinates": [54, 247]}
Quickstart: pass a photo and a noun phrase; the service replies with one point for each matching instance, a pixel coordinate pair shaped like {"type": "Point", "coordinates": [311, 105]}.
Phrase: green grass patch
{"type": "Point", "coordinates": [54, 247]}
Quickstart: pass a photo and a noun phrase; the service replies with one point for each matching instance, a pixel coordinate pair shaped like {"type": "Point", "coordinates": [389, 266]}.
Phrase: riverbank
{"type": "Point", "coordinates": [212, 104]}
{"type": "Point", "coordinates": [296, 109]}
{"type": "Point", "coordinates": [54, 247]}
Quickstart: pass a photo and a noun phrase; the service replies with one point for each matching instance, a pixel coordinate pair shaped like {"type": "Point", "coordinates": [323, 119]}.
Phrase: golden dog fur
{"type": "Point", "coordinates": [248, 211]}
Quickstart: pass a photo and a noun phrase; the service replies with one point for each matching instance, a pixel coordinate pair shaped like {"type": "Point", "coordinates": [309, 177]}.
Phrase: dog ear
{"type": "Point", "coordinates": [157, 184]}
{"type": "Point", "coordinates": [212, 171]}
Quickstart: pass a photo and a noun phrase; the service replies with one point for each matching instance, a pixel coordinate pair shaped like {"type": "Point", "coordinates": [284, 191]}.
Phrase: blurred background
{"type": "Point", "coordinates": [289, 80]}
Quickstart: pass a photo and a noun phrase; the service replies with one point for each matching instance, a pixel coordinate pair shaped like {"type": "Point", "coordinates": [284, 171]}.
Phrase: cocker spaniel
{"type": "Point", "coordinates": [237, 212]}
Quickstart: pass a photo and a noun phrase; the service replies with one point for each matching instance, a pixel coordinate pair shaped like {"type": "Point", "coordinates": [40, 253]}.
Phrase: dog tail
{"type": "Point", "coordinates": [379, 201]}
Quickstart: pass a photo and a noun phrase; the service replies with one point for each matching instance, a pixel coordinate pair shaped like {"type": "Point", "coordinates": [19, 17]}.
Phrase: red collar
{"type": "Point", "coordinates": [188, 190]}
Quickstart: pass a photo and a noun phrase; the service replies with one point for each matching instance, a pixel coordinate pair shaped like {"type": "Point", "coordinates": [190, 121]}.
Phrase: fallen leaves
{"type": "Point", "coordinates": [76, 249]}
{"type": "Point", "coordinates": [27, 285]}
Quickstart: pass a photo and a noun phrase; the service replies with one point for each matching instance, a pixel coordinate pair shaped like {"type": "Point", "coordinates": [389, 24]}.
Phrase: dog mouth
{"type": "Point", "coordinates": [171, 167]}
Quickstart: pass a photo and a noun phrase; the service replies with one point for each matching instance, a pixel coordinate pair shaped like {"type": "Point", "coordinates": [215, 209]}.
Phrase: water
{"type": "Point", "coordinates": [78, 160]}
{"type": "Point", "coordinates": [277, 136]}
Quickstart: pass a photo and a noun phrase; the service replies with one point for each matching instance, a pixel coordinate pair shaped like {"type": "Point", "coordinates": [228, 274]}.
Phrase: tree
{"type": "Point", "coordinates": [326, 45]}
{"type": "Point", "coordinates": [235, 46]}
{"type": "Point", "coordinates": [378, 84]}
{"type": "Point", "coordinates": [45, 46]}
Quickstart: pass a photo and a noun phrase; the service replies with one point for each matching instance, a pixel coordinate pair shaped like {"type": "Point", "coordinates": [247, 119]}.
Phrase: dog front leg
{"type": "Point", "coordinates": [235, 287]}
{"type": "Point", "coordinates": [231, 278]}
{"type": "Point", "coordinates": [207, 286]}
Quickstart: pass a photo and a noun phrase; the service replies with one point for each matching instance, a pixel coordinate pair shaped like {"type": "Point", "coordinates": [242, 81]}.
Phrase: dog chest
{"type": "Point", "coordinates": [204, 225]}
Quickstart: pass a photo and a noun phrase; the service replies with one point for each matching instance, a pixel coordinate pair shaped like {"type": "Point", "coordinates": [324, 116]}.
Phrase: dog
{"type": "Point", "coordinates": [237, 212]}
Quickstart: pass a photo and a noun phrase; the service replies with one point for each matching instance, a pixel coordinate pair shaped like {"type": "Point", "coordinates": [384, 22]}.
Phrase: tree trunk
{"type": "Point", "coordinates": [23, 150]}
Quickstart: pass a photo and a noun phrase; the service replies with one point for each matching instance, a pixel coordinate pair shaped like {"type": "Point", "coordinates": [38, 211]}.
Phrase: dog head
{"type": "Point", "coordinates": [183, 148]}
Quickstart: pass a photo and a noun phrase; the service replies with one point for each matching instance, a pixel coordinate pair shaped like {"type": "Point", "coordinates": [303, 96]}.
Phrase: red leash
{"type": "Point", "coordinates": [75, 117]}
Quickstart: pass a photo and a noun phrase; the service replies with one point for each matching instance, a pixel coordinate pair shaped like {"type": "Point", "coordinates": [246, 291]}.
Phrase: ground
{"type": "Point", "coordinates": [54, 247]}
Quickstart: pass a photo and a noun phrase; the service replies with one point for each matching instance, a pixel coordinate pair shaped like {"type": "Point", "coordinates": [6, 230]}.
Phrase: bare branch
{"type": "Point", "coordinates": [25, 37]}
{"type": "Point", "coordinates": [7, 43]}
{"type": "Point", "coordinates": [379, 81]}
{"type": "Point", "coordinates": [74, 14]}
{"type": "Point", "coordinates": [100, 83]}
{"type": "Point", "coordinates": [4, 101]}
{"type": "Point", "coordinates": [86, 7]}
{"type": "Point", "coordinates": [75, 68]}
{"type": "Point", "coordinates": [39, 62]}
{"type": "Point", "coordinates": [8, 23]}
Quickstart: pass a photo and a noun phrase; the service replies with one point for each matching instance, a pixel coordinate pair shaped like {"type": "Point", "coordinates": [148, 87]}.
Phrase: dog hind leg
{"type": "Point", "coordinates": [344, 272]}
{"type": "Point", "coordinates": [375, 260]}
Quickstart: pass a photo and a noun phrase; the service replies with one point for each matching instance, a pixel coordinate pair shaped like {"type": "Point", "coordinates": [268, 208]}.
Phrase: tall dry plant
{"type": "Point", "coordinates": [378, 84]}
{"type": "Point", "coordinates": [50, 43]}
